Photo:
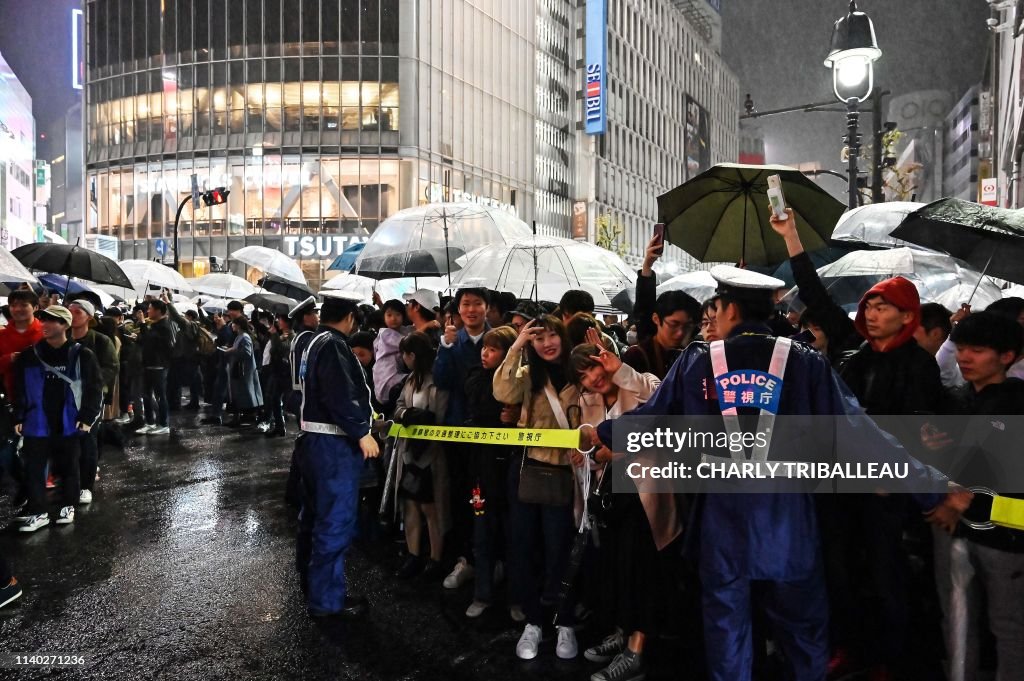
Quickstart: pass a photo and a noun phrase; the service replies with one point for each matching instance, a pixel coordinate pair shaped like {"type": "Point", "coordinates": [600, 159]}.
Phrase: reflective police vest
{"type": "Point", "coordinates": [36, 423]}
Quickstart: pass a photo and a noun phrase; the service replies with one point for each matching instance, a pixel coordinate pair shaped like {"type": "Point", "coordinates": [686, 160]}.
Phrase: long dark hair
{"type": "Point", "coordinates": [539, 368]}
{"type": "Point", "coordinates": [419, 345]}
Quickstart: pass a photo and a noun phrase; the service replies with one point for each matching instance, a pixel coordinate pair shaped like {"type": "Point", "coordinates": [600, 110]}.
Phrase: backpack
{"type": "Point", "coordinates": [205, 344]}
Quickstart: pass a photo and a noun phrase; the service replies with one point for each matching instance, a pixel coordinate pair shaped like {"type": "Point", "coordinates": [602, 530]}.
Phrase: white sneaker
{"type": "Point", "coordinates": [160, 430]}
{"type": "Point", "coordinates": [526, 649]}
{"type": "Point", "coordinates": [34, 522]}
{"type": "Point", "coordinates": [462, 573]}
{"type": "Point", "coordinates": [476, 608]}
{"type": "Point", "coordinates": [67, 516]}
{"type": "Point", "coordinates": [566, 647]}
{"type": "Point", "coordinates": [517, 614]}
{"type": "Point", "coordinates": [146, 429]}
{"type": "Point", "coordinates": [85, 497]}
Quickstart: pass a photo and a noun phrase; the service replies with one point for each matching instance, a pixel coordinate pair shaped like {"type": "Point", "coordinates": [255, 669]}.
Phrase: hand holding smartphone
{"type": "Point", "coordinates": [776, 198]}
{"type": "Point", "coordinates": [659, 234]}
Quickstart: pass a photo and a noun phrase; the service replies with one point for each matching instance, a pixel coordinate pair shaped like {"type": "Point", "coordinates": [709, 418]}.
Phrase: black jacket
{"type": "Point", "coordinates": [904, 380]}
{"type": "Point", "coordinates": [643, 305]}
{"type": "Point", "coordinates": [983, 446]}
{"type": "Point", "coordinates": [837, 325]}
{"type": "Point", "coordinates": [157, 341]}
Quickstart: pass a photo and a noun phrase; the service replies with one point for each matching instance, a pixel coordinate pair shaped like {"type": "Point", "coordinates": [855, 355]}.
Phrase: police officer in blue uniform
{"type": "Point", "coordinates": [335, 417]}
{"type": "Point", "coordinates": [305, 319]}
{"type": "Point", "coordinates": [770, 538]}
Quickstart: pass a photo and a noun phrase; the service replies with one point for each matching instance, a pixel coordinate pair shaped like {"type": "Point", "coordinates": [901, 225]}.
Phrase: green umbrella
{"type": "Point", "coordinates": [722, 215]}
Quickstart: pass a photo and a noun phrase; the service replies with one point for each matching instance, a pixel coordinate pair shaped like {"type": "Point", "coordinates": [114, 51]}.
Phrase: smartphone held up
{"type": "Point", "coordinates": [776, 198]}
{"type": "Point", "coordinates": [659, 236]}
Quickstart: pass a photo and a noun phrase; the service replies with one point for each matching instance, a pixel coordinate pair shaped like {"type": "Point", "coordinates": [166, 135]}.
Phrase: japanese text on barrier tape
{"type": "Point", "coordinates": [513, 437]}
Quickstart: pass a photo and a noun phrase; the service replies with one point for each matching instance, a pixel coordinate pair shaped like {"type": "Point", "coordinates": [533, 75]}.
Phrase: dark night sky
{"type": "Point", "coordinates": [777, 49]}
{"type": "Point", "coordinates": [35, 39]}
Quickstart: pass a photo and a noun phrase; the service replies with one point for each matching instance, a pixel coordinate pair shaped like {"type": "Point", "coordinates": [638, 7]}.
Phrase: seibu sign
{"type": "Point", "coordinates": [323, 247]}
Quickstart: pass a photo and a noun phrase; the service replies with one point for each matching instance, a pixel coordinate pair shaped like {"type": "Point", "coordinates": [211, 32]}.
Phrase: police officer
{"type": "Point", "coordinates": [335, 417]}
{"type": "Point", "coordinates": [770, 538]}
{"type": "Point", "coordinates": [304, 319]}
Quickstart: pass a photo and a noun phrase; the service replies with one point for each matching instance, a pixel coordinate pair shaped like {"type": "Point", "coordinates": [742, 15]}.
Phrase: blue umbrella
{"type": "Point", "coordinates": [347, 260]}
{"type": "Point", "coordinates": [58, 282]}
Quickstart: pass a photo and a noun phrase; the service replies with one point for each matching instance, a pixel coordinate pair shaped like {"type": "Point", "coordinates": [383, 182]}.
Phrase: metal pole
{"type": "Point", "coordinates": [853, 146]}
{"type": "Point", "coordinates": [877, 196]}
{"type": "Point", "coordinates": [177, 217]}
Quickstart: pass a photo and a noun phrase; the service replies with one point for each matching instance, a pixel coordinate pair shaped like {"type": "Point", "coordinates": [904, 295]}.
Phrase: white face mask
{"type": "Point", "coordinates": [631, 337]}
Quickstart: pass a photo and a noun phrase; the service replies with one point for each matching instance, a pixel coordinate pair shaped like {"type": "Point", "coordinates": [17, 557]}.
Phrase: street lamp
{"type": "Point", "coordinates": [851, 58]}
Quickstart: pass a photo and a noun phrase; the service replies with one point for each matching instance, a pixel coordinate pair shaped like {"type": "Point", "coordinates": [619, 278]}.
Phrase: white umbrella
{"type": "Point", "coordinates": [425, 241]}
{"type": "Point", "coordinates": [699, 284]}
{"type": "Point", "coordinates": [222, 285]}
{"type": "Point", "coordinates": [543, 260]}
{"type": "Point", "coordinates": [271, 262]}
{"type": "Point", "coordinates": [146, 273]}
{"type": "Point", "coordinates": [219, 304]}
{"type": "Point", "coordinates": [873, 223]}
{"type": "Point", "coordinates": [11, 269]}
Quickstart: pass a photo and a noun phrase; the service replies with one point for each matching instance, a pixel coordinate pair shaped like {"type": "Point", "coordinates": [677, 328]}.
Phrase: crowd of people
{"type": "Point", "coordinates": [820, 580]}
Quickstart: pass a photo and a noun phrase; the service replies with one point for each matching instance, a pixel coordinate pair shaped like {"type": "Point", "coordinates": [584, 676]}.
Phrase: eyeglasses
{"type": "Point", "coordinates": [676, 326]}
{"type": "Point", "coordinates": [708, 321]}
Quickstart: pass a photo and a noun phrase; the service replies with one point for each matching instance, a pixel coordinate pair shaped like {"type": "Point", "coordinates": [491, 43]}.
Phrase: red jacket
{"type": "Point", "coordinates": [12, 342]}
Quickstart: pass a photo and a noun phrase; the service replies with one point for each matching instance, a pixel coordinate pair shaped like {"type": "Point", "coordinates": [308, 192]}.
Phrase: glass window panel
{"type": "Point", "coordinates": [330, 27]}
{"type": "Point", "coordinates": [273, 107]}
{"type": "Point", "coordinates": [370, 26]}
{"type": "Point", "coordinates": [290, 32]}
{"type": "Point", "coordinates": [218, 29]}
{"type": "Point", "coordinates": [311, 69]}
{"type": "Point", "coordinates": [170, 26]}
{"type": "Point", "coordinates": [310, 26]}
{"type": "Point", "coordinates": [253, 27]}
{"type": "Point", "coordinates": [272, 27]}
{"type": "Point", "coordinates": [349, 27]}
{"type": "Point", "coordinates": [311, 107]}
{"type": "Point", "coordinates": [389, 27]}
{"type": "Point", "coordinates": [202, 28]}
{"type": "Point", "coordinates": [152, 28]}
{"type": "Point", "coordinates": [236, 26]}
{"type": "Point", "coordinates": [292, 103]}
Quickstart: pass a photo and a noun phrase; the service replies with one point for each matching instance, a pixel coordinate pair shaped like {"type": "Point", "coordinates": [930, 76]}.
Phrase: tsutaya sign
{"type": "Point", "coordinates": [435, 193]}
{"type": "Point", "coordinates": [319, 246]}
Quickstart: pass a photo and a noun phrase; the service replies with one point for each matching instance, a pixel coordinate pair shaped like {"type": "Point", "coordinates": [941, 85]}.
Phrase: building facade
{"type": "Point", "coordinates": [66, 174]}
{"type": "Point", "coordinates": [960, 153]}
{"type": "Point", "coordinates": [322, 118]}
{"type": "Point", "coordinates": [673, 112]}
{"type": "Point", "coordinates": [17, 156]}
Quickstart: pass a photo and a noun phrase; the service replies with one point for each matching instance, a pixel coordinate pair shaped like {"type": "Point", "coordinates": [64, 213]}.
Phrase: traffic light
{"type": "Point", "coordinates": [215, 197]}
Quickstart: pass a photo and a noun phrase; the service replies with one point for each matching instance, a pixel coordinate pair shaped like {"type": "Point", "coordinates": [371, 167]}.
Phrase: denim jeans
{"type": "Point", "coordinates": [155, 395]}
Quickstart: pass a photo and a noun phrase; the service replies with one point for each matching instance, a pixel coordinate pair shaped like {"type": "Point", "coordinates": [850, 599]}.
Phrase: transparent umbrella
{"type": "Point", "coordinates": [543, 260]}
{"type": "Point", "coordinates": [938, 277]}
{"type": "Point", "coordinates": [872, 224]}
{"type": "Point", "coordinates": [222, 285]}
{"type": "Point", "coordinates": [699, 284]}
{"type": "Point", "coordinates": [146, 273]}
{"type": "Point", "coordinates": [271, 262]}
{"type": "Point", "coordinates": [425, 241]}
{"type": "Point", "coordinates": [356, 287]}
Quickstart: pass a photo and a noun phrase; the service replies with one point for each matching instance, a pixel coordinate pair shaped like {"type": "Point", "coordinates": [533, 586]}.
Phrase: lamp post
{"type": "Point", "coordinates": [851, 57]}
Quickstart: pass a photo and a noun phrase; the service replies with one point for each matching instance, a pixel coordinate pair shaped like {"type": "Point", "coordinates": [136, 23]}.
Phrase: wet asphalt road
{"type": "Point", "coordinates": [182, 568]}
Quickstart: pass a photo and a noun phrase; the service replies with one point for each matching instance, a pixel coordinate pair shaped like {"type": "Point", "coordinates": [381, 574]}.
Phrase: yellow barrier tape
{"type": "Point", "coordinates": [1008, 512]}
{"type": "Point", "coordinates": [513, 437]}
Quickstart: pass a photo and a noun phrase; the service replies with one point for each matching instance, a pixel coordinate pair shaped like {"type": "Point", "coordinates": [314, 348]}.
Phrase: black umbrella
{"type": "Point", "coordinates": [988, 238]}
{"type": "Point", "coordinates": [283, 287]}
{"type": "Point", "coordinates": [271, 302]}
{"type": "Point", "coordinates": [72, 261]}
{"type": "Point", "coordinates": [425, 262]}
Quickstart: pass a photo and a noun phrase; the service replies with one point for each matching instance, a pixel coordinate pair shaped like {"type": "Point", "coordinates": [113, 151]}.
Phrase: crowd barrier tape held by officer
{"type": "Point", "coordinates": [730, 471]}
